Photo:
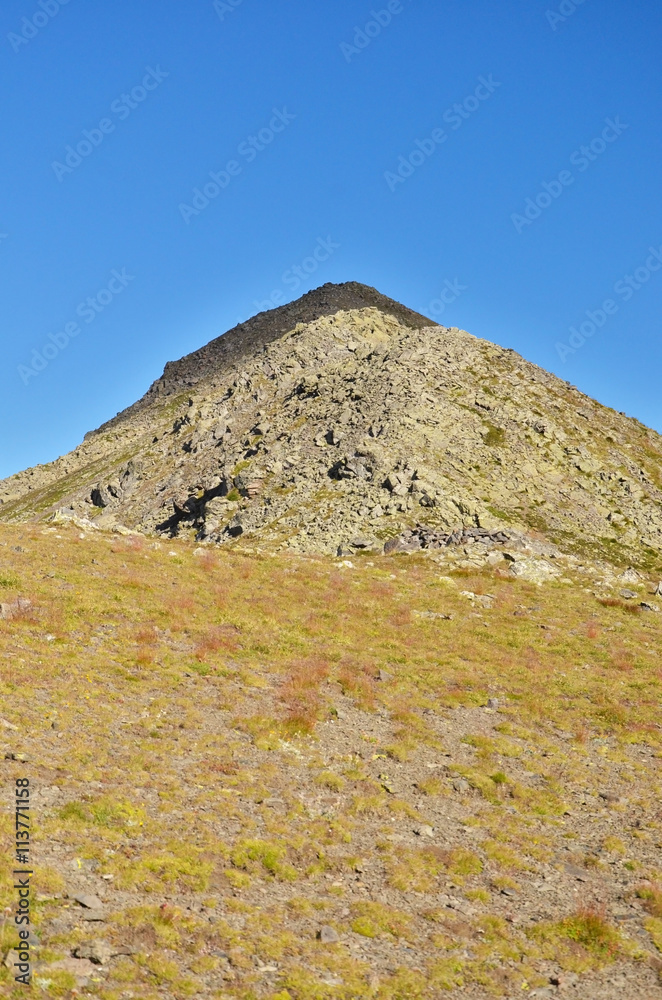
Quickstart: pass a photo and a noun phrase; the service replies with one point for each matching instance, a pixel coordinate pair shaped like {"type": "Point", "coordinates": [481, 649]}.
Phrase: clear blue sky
{"type": "Point", "coordinates": [533, 86]}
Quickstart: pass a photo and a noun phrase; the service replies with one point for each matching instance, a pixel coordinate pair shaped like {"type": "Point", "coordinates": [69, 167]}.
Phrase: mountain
{"type": "Point", "coordinates": [344, 421]}
{"type": "Point", "coordinates": [274, 775]}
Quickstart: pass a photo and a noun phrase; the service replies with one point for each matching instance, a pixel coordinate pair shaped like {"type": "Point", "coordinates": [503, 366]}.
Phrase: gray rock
{"type": "Point", "coordinates": [101, 496]}
{"type": "Point", "coordinates": [610, 796]}
{"type": "Point", "coordinates": [81, 968]}
{"type": "Point", "coordinates": [215, 507]}
{"type": "Point", "coordinates": [361, 543]}
{"type": "Point", "coordinates": [9, 611]}
{"type": "Point", "coordinates": [533, 570]}
{"type": "Point", "coordinates": [97, 951]}
{"type": "Point", "coordinates": [87, 900]}
{"type": "Point", "coordinates": [327, 935]}
{"type": "Point", "coordinates": [401, 544]}
{"type": "Point", "coordinates": [579, 874]}
{"type": "Point", "coordinates": [628, 594]}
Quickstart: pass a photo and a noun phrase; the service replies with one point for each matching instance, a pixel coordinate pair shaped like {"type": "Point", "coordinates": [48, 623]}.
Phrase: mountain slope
{"type": "Point", "coordinates": [345, 418]}
{"type": "Point", "coordinates": [284, 777]}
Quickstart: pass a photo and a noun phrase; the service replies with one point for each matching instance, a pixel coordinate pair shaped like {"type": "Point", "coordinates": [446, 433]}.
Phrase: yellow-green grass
{"type": "Point", "coordinates": [193, 708]}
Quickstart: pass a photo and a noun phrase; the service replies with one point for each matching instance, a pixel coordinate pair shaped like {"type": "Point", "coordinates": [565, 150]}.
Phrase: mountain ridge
{"type": "Point", "coordinates": [254, 333]}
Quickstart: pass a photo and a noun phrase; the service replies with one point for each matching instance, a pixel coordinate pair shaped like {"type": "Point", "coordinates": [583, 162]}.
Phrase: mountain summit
{"type": "Point", "coordinates": [345, 420]}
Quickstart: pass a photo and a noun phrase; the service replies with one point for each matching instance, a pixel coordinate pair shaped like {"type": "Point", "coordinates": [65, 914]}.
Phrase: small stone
{"type": "Point", "coordinates": [327, 935]}
{"type": "Point", "coordinates": [493, 703]}
{"type": "Point", "coordinates": [645, 606]}
{"type": "Point", "coordinates": [610, 796]}
{"type": "Point", "coordinates": [655, 963]}
{"type": "Point", "coordinates": [97, 951]}
{"type": "Point", "coordinates": [81, 968]}
{"type": "Point", "coordinates": [93, 916]}
{"type": "Point", "coordinates": [9, 611]}
{"type": "Point", "coordinates": [383, 675]}
{"type": "Point", "coordinates": [14, 755]}
{"type": "Point", "coordinates": [87, 900]}
{"type": "Point", "coordinates": [460, 785]}
{"type": "Point", "coordinates": [424, 831]}
{"type": "Point", "coordinates": [628, 594]}
{"type": "Point", "coordinates": [577, 873]}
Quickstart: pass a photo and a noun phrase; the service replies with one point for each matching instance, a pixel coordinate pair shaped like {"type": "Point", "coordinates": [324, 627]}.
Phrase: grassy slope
{"type": "Point", "coordinates": [228, 751]}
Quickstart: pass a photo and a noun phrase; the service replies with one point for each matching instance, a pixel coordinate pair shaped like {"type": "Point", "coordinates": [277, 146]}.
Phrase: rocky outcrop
{"type": "Point", "coordinates": [346, 418]}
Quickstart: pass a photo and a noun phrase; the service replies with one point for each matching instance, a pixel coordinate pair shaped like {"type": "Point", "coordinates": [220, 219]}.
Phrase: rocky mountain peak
{"type": "Point", "coordinates": [345, 421]}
